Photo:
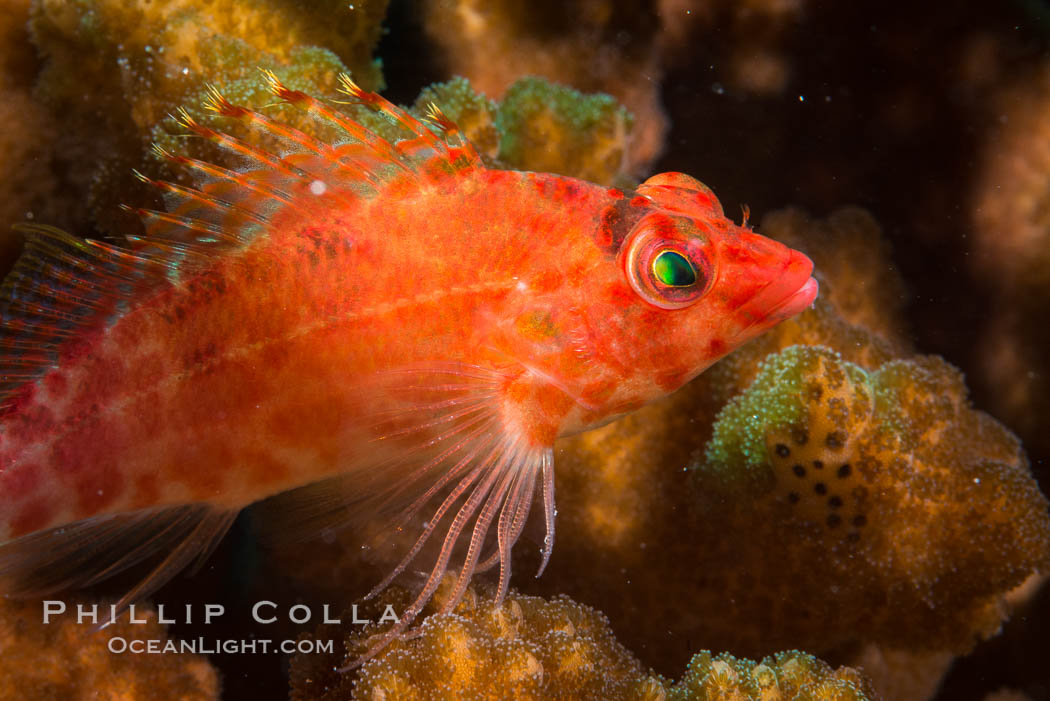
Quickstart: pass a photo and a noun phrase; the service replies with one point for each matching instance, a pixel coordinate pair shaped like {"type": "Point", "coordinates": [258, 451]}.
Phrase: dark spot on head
{"type": "Point", "coordinates": [844, 470]}
{"type": "Point", "coordinates": [801, 436]}
{"type": "Point", "coordinates": [615, 223]}
{"type": "Point", "coordinates": [820, 488]}
{"type": "Point", "coordinates": [860, 520]}
{"type": "Point", "coordinates": [793, 497]}
{"type": "Point", "coordinates": [835, 440]}
{"type": "Point", "coordinates": [835, 502]}
{"type": "Point", "coordinates": [782, 450]}
{"type": "Point", "coordinates": [834, 520]}
{"type": "Point", "coordinates": [799, 470]}
{"type": "Point", "coordinates": [818, 464]}
{"type": "Point", "coordinates": [568, 188]}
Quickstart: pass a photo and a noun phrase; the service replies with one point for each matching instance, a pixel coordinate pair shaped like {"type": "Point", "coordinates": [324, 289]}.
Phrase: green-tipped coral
{"type": "Point", "coordinates": [552, 128]}
{"type": "Point", "coordinates": [786, 676]}
{"type": "Point", "coordinates": [531, 648]}
{"type": "Point", "coordinates": [540, 126]}
{"type": "Point", "coordinates": [778, 403]}
{"type": "Point", "coordinates": [895, 463]}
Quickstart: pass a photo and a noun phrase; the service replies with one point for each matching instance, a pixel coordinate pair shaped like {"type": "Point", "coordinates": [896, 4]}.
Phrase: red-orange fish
{"type": "Point", "coordinates": [391, 323]}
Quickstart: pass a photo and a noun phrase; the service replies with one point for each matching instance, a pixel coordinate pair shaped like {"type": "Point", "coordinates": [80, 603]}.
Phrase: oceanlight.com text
{"type": "Point", "coordinates": [210, 646]}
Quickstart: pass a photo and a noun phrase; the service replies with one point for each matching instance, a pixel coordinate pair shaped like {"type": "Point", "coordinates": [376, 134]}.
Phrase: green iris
{"type": "Point", "coordinates": [674, 270]}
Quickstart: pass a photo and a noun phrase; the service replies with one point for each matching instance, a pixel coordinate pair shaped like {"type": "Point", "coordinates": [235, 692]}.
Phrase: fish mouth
{"type": "Point", "coordinates": [797, 300]}
{"type": "Point", "coordinates": [786, 295]}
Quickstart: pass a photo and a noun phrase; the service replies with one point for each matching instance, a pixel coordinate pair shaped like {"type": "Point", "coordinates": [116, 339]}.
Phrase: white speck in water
{"type": "Point", "coordinates": [100, 492]}
{"type": "Point", "coordinates": [318, 187]}
{"type": "Point", "coordinates": [717, 89]}
{"type": "Point", "coordinates": [801, 98]}
{"type": "Point", "coordinates": [976, 480]}
{"type": "Point", "coordinates": [185, 71]}
{"type": "Point", "coordinates": [522, 286]}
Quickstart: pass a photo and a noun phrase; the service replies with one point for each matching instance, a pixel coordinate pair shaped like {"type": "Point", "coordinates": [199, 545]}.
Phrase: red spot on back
{"type": "Point", "coordinates": [614, 193]}
{"type": "Point", "coordinates": [716, 348]}
{"type": "Point", "coordinates": [639, 201]}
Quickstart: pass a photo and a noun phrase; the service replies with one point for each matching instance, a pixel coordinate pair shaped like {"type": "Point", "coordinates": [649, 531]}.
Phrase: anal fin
{"type": "Point", "coordinates": [85, 552]}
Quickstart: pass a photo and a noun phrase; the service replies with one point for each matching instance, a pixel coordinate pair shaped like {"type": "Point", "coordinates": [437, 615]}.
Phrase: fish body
{"type": "Point", "coordinates": [392, 320]}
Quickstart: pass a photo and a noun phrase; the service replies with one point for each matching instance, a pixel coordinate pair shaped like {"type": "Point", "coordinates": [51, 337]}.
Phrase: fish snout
{"type": "Point", "coordinates": [790, 289]}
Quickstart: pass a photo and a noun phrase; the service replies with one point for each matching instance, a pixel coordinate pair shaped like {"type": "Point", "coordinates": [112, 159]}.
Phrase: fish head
{"type": "Point", "coordinates": [689, 286]}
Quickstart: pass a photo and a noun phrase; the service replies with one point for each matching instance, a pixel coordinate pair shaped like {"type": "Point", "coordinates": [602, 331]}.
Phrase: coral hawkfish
{"type": "Point", "coordinates": [370, 326]}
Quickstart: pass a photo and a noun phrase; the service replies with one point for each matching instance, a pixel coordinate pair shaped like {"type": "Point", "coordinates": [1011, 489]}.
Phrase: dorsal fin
{"type": "Point", "coordinates": [287, 167]}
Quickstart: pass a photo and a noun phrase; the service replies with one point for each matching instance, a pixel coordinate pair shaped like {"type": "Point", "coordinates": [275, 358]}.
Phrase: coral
{"type": "Point", "coordinates": [592, 45]}
{"type": "Point", "coordinates": [1011, 206]}
{"type": "Point", "coordinates": [525, 648]}
{"type": "Point", "coordinates": [892, 461]}
{"type": "Point", "coordinates": [901, 675]}
{"type": "Point", "coordinates": [550, 128]}
{"type": "Point", "coordinates": [531, 648]}
{"type": "Point", "coordinates": [539, 126]}
{"type": "Point", "coordinates": [1007, 695]}
{"type": "Point", "coordinates": [785, 675]}
{"type": "Point", "coordinates": [115, 71]}
{"type": "Point", "coordinates": [1011, 255]}
{"type": "Point", "coordinates": [68, 660]}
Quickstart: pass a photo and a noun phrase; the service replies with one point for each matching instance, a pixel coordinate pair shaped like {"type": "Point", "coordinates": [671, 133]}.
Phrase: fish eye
{"type": "Point", "coordinates": [667, 261]}
{"type": "Point", "coordinates": [673, 269]}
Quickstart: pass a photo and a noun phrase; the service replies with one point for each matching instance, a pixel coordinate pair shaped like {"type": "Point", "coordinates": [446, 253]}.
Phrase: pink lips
{"type": "Point", "coordinates": [797, 301]}
{"type": "Point", "coordinates": [788, 293]}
